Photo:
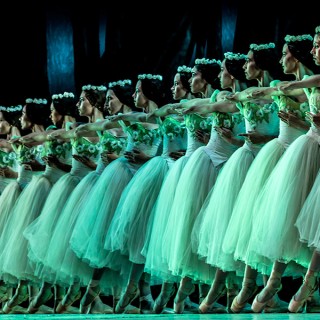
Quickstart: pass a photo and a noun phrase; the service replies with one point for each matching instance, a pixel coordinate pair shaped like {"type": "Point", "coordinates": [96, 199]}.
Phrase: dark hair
{"type": "Point", "coordinates": [96, 97]}
{"type": "Point", "coordinates": [12, 117]}
{"type": "Point", "coordinates": [65, 105]}
{"type": "Point", "coordinates": [268, 60]}
{"type": "Point", "coordinates": [124, 93]}
{"type": "Point", "coordinates": [210, 72]}
{"type": "Point", "coordinates": [235, 65]}
{"type": "Point", "coordinates": [184, 78]}
{"type": "Point", "coordinates": [153, 90]}
{"type": "Point", "coordinates": [300, 49]}
{"type": "Point", "coordinates": [38, 113]}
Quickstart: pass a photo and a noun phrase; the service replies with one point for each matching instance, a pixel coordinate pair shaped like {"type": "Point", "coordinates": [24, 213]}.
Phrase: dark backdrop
{"type": "Point", "coordinates": [53, 46]}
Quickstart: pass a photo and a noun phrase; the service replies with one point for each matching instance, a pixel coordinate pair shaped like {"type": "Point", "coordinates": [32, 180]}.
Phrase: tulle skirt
{"type": "Point", "coordinates": [196, 180]}
{"type": "Point", "coordinates": [4, 182]}
{"type": "Point", "coordinates": [129, 225]}
{"type": "Point", "coordinates": [14, 256]}
{"type": "Point", "coordinates": [39, 232]}
{"type": "Point", "coordinates": [239, 229]}
{"type": "Point", "coordinates": [89, 234]}
{"type": "Point", "coordinates": [274, 234]}
{"type": "Point", "coordinates": [66, 267]}
{"type": "Point", "coordinates": [8, 200]}
{"type": "Point", "coordinates": [155, 263]}
{"type": "Point", "coordinates": [213, 220]}
{"type": "Point", "coordinates": [308, 219]}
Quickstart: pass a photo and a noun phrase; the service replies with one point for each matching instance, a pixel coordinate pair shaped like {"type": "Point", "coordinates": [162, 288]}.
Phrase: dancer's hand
{"type": "Point", "coordinates": [313, 118]}
{"type": "Point", "coordinates": [177, 154]}
{"type": "Point", "coordinates": [202, 136]}
{"type": "Point", "coordinates": [86, 161]}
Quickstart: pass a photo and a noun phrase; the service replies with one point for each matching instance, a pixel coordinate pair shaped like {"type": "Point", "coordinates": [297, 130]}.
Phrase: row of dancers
{"type": "Point", "coordinates": [218, 189]}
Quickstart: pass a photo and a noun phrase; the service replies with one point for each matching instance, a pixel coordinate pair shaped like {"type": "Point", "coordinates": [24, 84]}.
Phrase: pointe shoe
{"type": "Point", "coordinates": [162, 300]}
{"type": "Point", "coordinates": [67, 301]}
{"type": "Point", "coordinates": [126, 299]}
{"type": "Point", "coordinates": [88, 298]}
{"type": "Point", "coordinates": [178, 306]}
{"type": "Point", "coordinates": [38, 301]}
{"type": "Point", "coordinates": [258, 306]}
{"type": "Point", "coordinates": [4, 296]}
{"type": "Point", "coordinates": [206, 307]}
{"type": "Point", "coordinates": [84, 309]}
{"type": "Point", "coordinates": [56, 302]}
{"type": "Point", "coordinates": [115, 302]}
{"type": "Point", "coordinates": [296, 305]}
{"type": "Point", "coordinates": [98, 307]}
{"type": "Point", "coordinates": [276, 305]}
{"type": "Point", "coordinates": [313, 303]}
{"type": "Point", "coordinates": [237, 307]}
{"type": "Point", "coordinates": [232, 292]}
{"type": "Point", "coordinates": [21, 295]}
{"type": "Point", "coordinates": [190, 306]}
{"type": "Point", "coordinates": [146, 304]}
{"type": "Point", "coordinates": [211, 308]}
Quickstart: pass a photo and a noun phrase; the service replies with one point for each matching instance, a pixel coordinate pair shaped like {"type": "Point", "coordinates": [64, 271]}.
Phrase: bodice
{"type": "Point", "coordinates": [142, 138]}
{"type": "Point", "coordinates": [193, 123]}
{"type": "Point", "coordinates": [174, 135]}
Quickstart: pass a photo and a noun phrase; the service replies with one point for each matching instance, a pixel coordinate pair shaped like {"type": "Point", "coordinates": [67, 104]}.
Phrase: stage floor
{"type": "Point", "coordinates": [165, 316]}
{"type": "Point", "coordinates": [261, 316]}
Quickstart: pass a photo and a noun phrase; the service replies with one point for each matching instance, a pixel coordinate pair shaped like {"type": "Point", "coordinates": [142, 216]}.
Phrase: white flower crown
{"type": "Point", "coordinates": [90, 87]}
{"type": "Point", "coordinates": [150, 76]}
{"type": "Point", "coordinates": [234, 56]}
{"type": "Point", "coordinates": [63, 95]}
{"type": "Point", "coordinates": [184, 69]}
{"type": "Point", "coordinates": [317, 30]}
{"type": "Point", "coordinates": [258, 47]}
{"type": "Point", "coordinates": [12, 108]}
{"type": "Point", "coordinates": [37, 101]}
{"type": "Point", "coordinates": [298, 38]}
{"type": "Point", "coordinates": [207, 61]}
{"type": "Point", "coordinates": [120, 83]}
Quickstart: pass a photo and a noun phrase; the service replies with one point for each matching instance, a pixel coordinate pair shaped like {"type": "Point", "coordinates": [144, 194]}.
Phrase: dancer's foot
{"type": "Point", "coordinates": [21, 295]}
{"type": "Point", "coordinates": [162, 299]}
{"type": "Point", "coordinates": [69, 299]}
{"type": "Point", "coordinates": [180, 298]}
{"type": "Point", "coordinates": [207, 304]}
{"type": "Point", "coordinates": [92, 293]}
{"type": "Point", "coordinates": [44, 295]}
{"type": "Point", "coordinates": [276, 305]}
{"type": "Point", "coordinates": [272, 287]}
{"type": "Point", "coordinates": [146, 304]}
{"type": "Point", "coordinates": [309, 286]}
{"type": "Point", "coordinates": [130, 294]}
{"type": "Point", "coordinates": [248, 290]}
{"type": "Point", "coordinates": [98, 307]}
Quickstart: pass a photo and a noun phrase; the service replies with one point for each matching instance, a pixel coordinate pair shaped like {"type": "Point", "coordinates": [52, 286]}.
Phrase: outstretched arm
{"type": "Point", "coordinates": [268, 92]}
{"type": "Point", "coordinates": [131, 117]}
{"type": "Point", "coordinates": [309, 82]}
{"type": "Point", "coordinates": [221, 106]}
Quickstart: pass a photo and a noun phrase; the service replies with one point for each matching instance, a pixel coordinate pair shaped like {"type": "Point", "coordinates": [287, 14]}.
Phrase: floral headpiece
{"type": "Point", "coordinates": [12, 108]}
{"type": "Point", "coordinates": [258, 47]}
{"type": "Point", "coordinates": [149, 76]}
{"type": "Point", "coordinates": [184, 69]}
{"type": "Point", "coordinates": [234, 56]}
{"type": "Point", "coordinates": [207, 61]}
{"type": "Point", "coordinates": [62, 95]}
{"type": "Point", "coordinates": [37, 101]}
{"type": "Point", "coordinates": [298, 38]}
{"type": "Point", "coordinates": [90, 87]}
{"type": "Point", "coordinates": [120, 83]}
{"type": "Point", "coordinates": [317, 30]}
